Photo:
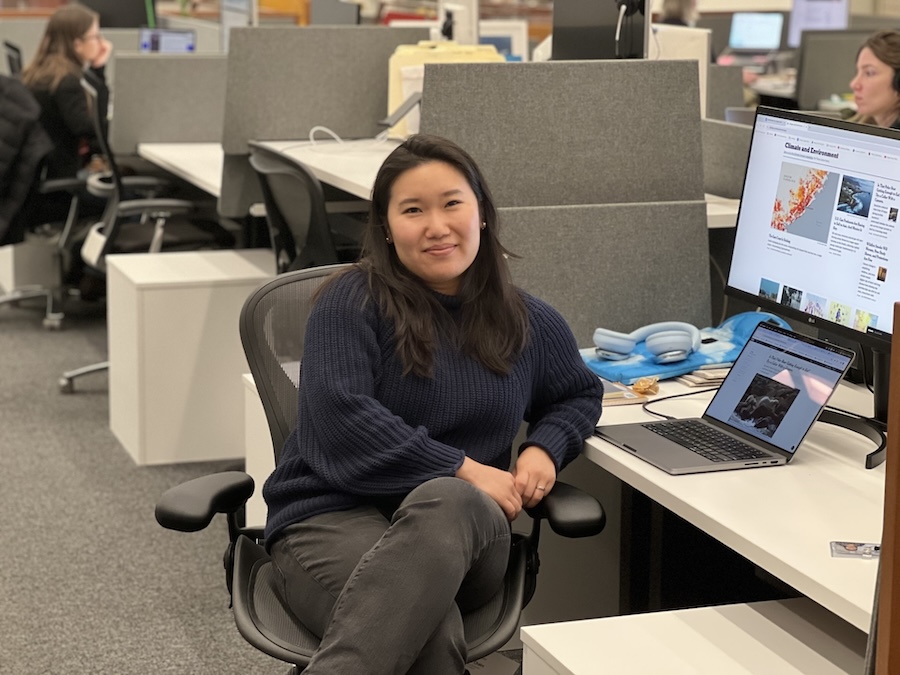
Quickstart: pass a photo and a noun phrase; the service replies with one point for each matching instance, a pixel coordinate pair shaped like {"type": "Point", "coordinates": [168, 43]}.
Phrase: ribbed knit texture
{"type": "Point", "coordinates": [365, 431]}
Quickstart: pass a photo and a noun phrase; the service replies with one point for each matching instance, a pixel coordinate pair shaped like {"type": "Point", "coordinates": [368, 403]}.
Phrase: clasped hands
{"type": "Point", "coordinates": [525, 485]}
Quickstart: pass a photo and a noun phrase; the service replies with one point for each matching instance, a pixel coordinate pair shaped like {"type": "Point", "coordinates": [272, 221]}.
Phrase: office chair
{"type": "Point", "coordinates": [13, 58]}
{"type": "Point", "coordinates": [144, 225]}
{"type": "Point", "coordinates": [272, 326]}
{"type": "Point", "coordinates": [302, 233]}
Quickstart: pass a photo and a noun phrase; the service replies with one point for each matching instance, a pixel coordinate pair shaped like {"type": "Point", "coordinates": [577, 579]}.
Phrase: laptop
{"type": "Point", "coordinates": [167, 41]}
{"type": "Point", "coordinates": [776, 389]}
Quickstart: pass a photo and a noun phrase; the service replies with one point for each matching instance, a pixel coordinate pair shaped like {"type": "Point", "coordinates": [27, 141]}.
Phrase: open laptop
{"type": "Point", "coordinates": [775, 391]}
{"type": "Point", "coordinates": [167, 41]}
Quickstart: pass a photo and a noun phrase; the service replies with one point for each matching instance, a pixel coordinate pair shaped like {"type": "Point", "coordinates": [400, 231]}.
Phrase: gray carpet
{"type": "Point", "coordinates": [89, 583]}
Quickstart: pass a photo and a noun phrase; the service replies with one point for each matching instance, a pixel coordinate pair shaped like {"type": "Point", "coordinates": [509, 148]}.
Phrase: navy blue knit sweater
{"type": "Point", "coordinates": [367, 433]}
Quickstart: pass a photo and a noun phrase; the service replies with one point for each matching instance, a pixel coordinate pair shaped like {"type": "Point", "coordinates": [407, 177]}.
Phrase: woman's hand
{"type": "Point", "coordinates": [103, 55]}
{"type": "Point", "coordinates": [499, 485]}
{"type": "Point", "coordinates": [535, 474]}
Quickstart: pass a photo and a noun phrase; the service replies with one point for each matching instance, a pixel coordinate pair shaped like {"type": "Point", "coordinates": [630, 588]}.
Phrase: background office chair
{"type": "Point", "coordinates": [272, 326]}
{"type": "Point", "coordinates": [13, 58]}
{"type": "Point", "coordinates": [301, 230]}
{"type": "Point", "coordinates": [146, 225]}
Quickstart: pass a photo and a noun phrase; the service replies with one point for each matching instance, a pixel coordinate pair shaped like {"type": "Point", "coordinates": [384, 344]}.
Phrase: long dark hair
{"type": "Point", "coordinates": [493, 325]}
{"type": "Point", "coordinates": [56, 57]}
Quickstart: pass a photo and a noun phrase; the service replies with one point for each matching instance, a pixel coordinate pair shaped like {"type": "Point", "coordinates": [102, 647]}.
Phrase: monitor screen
{"type": "Point", "coordinates": [167, 41]}
{"type": "Point", "coordinates": [755, 31]}
{"type": "Point", "coordinates": [816, 15]}
{"type": "Point", "coordinates": [124, 13]}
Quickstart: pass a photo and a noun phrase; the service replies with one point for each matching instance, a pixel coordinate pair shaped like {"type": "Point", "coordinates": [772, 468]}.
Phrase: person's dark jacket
{"type": "Point", "coordinates": [23, 146]}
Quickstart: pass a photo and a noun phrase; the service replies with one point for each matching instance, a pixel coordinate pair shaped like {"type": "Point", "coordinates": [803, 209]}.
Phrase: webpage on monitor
{"type": "Point", "coordinates": [817, 229]}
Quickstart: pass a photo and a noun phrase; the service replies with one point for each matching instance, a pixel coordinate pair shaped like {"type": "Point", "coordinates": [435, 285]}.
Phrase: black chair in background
{"type": "Point", "coordinates": [13, 58]}
{"type": "Point", "coordinates": [137, 225]}
{"type": "Point", "coordinates": [302, 232]}
{"type": "Point", "coordinates": [272, 326]}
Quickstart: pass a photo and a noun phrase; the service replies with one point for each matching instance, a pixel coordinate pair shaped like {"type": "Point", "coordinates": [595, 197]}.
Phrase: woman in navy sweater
{"type": "Point", "coordinates": [390, 508]}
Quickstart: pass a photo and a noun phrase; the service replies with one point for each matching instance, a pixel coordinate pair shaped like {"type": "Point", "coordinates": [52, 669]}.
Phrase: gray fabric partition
{"type": "Point", "coordinates": [724, 89]}
{"type": "Point", "coordinates": [720, 25]}
{"type": "Point", "coordinates": [826, 64]}
{"type": "Point", "coordinates": [619, 266]}
{"type": "Point", "coordinates": [573, 132]}
{"type": "Point", "coordinates": [283, 81]}
{"type": "Point", "coordinates": [167, 98]}
{"type": "Point", "coordinates": [725, 150]}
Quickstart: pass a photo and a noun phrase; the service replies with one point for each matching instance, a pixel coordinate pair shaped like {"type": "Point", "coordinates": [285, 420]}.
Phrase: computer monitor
{"type": "Point", "coordinates": [587, 29]}
{"type": "Point", "coordinates": [124, 13]}
{"type": "Point", "coordinates": [167, 41]}
{"type": "Point", "coordinates": [816, 15]}
{"type": "Point", "coordinates": [755, 31]}
{"type": "Point", "coordinates": [818, 230]}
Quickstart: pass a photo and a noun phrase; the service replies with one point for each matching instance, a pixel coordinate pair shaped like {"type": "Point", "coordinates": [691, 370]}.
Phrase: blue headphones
{"type": "Point", "coordinates": [668, 341]}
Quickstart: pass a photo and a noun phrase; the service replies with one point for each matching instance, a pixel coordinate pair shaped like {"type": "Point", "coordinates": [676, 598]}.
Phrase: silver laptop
{"type": "Point", "coordinates": [775, 391]}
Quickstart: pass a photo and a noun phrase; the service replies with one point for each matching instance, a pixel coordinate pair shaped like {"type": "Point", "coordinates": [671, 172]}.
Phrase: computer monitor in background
{"type": "Point", "coordinates": [818, 227]}
{"type": "Point", "coordinates": [167, 41]}
{"type": "Point", "coordinates": [587, 29]}
{"type": "Point", "coordinates": [124, 13]}
{"type": "Point", "coordinates": [755, 32]}
{"type": "Point", "coordinates": [816, 15]}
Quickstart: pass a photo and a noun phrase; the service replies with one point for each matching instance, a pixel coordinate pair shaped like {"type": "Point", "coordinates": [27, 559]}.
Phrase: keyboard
{"type": "Point", "coordinates": [705, 440]}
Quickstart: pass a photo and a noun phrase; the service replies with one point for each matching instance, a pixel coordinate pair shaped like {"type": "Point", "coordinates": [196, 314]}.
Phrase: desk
{"type": "Point", "coordinates": [783, 637]}
{"type": "Point", "coordinates": [780, 518]}
{"type": "Point", "coordinates": [776, 86]}
{"type": "Point", "coordinates": [200, 164]}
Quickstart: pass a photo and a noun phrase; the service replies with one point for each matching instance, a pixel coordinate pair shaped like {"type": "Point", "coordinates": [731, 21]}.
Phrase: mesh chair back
{"type": "Point", "coordinates": [273, 328]}
{"type": "Point", "coordinates": [13, 58]}
{"type": "Point", "coordinates": [295, 211]}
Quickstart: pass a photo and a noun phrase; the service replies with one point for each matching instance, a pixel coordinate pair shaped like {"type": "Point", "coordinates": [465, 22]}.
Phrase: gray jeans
{"type": "Point", "coordinates": [385, 591]}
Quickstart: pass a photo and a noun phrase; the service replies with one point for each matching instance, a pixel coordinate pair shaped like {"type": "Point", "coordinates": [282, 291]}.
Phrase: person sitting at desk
{"type": "Point", "coordinates": [876, 87]}
{"type": "Point", "coordinates": [389, 511]}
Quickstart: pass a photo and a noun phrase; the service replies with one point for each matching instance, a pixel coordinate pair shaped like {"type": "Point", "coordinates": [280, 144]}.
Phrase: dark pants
{"type": "Point", "coordinates": [386, 591]}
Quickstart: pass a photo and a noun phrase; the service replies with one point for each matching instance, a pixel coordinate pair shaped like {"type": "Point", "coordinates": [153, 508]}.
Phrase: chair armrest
{"type": "Point", "coordinates": [61, 185]}
{"type": "Point", "coordinates": [570, 511]}
{"type": "Point", "coordinates": [145, 183]}
{"type": "Point", "coordinates": [135, 207]}
{"type": "Point", "coordinates": [190, 506]}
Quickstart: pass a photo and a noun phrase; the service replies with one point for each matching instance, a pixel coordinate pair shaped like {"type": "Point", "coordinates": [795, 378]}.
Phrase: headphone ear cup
{"type": "Point", "coordinates": [611, 344]}
{"type": "Point", "coordinates": [669, 341]}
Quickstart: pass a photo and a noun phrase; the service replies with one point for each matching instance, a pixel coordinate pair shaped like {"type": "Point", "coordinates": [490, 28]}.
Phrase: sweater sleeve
{"type": "Point", "coordinates": [73, 106]}
{"type": "Point", "coordinates": [360, 446]}
{"type": "Point", "coordinates": [566, 395]}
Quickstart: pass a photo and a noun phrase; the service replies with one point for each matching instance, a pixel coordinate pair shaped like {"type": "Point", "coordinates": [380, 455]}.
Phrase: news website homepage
{"type": "Point", "coordinates": [818, 223]}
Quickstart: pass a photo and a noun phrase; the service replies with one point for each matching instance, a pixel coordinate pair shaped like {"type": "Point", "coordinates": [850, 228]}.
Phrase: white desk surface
{"type": "Point", "coordinates": [784, 637]}
{"type": "Point", "coordinates": [781, 518]}
{"type": "Point", "coordinates": [350, 166]}
{"type": "Point", "coordinates": [198, 163]}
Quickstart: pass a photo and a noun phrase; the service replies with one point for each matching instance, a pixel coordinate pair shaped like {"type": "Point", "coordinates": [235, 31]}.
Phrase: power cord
{"type": "Point", "coordinates": [646, 404]}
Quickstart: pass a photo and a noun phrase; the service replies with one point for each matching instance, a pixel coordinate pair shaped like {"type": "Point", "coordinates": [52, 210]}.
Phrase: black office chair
{"type": "Point", "coordinates": [272, 326]}
{"type": "Point", "coordinates": [300, 228]}
{"type": "Point", "coordinates": [143, 225]}
{"type": "Point", "coordinates": [13, 58]}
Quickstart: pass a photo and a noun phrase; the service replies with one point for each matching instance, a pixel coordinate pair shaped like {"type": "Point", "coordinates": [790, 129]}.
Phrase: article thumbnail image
{"type": "Point", "coordinates": [764, 405]}
{"type": "Point", "coordinates": [862, 321]}
{"type": "Point", "coordinates": [768, 289]}
{"type": "Point", "coordinates": [815, 305]}
{"type": "Point", "coordinates": [839, 313]}
{"type": "Point", "coordinates": [791, 297]}
{"type": "Point", "coordinates": [804, 201]}
{"type": "Point", "coordinates": [856, 196]}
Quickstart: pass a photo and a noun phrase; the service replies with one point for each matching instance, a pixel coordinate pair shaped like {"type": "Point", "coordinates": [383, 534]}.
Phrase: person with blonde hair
{"type": "Point", "coordinates": [679, 12]}
{"type": "Point", "coordinates": [876, 86]}
{"type": "Point", "coordinates": [72, 47]}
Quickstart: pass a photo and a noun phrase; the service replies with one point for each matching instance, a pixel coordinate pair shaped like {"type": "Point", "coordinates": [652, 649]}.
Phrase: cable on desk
{"type": "Point", "coordinates": [378, 140]}
{"type": "Point", "coordinates": [646, 404]}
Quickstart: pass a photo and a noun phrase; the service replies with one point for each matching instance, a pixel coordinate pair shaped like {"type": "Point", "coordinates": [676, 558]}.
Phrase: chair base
{"type": "Point", "coordinates": [53, 320]}
{"type": "Point", "coordinates": [67, 381]}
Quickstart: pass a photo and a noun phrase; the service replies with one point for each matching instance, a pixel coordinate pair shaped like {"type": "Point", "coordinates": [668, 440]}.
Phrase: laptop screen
{"type": "Point", "coordinates": [778, 385]}
{"type": "Point", "coordinates": [167, 41]}
{"type": "Point", "coordinates": [755, 31]}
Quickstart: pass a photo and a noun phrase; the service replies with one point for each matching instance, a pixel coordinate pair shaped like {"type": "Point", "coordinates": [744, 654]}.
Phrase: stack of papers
{"type": "Point", "coordinates": [705, 377]}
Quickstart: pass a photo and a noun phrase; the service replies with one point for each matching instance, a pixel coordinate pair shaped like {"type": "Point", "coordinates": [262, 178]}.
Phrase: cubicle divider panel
{"type": "Point", "coordinates": [724, 89]}
{"type": "Point", "coordinates": [826, 64]}
{"type": "Point", "coordinates": [282, 81]}
{"type": "Point", "coordinates": [573, 132]}
{"type": "Point", "coordinates": [617, 266]}
{"type": "Point", "coordinates": [26, 34]}
{"type": "Point", "coordinates": [167, 98]}
{"type": "Point", "coordinates": [725, 150]}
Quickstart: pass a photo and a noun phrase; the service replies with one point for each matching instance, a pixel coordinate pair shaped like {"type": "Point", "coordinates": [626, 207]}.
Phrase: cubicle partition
{"type": "Point", "coordinates": [825, 65]}
{"type": "Point", "coordinates": [725, 150]}
{"type": "Point", "coordinates": [724, 89]}
{"type": "Point", "coordinates": [282, 82]}
{"type": "Point", "coordinates": [25, 34]}
{"type": "Point", "coordinates": [573, 132]}
{"type": "Point", "coordinates": [167, 98]}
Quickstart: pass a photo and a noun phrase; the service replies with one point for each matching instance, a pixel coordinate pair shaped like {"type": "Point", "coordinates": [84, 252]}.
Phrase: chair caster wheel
{"type": "Point", "coordinates": [52, 323]}
{"type": "Point", "coordinates": [66, 386]}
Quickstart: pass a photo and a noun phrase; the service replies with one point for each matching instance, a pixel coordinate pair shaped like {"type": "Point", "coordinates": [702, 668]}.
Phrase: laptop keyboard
{"type": "Point", "coordinates": [705, 440]}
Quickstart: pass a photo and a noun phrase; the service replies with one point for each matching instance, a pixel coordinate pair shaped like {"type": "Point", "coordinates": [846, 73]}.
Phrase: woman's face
{"type": "Point", "coordinates": [89, 45]}
{"type": "Point", "coordinates": [434, 223]}
{"type": "Point", "coordinates": [873, 89]}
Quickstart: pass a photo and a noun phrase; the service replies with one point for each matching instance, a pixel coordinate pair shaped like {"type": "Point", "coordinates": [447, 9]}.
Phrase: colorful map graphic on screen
{"type": "Point", "coordinates": [804, 201]}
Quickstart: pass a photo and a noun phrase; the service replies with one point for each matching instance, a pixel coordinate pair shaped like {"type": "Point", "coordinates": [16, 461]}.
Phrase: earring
{"type": "Point", "coordinates": [483, 224]}
{"type": "Point", "coordinates": [387, 239]}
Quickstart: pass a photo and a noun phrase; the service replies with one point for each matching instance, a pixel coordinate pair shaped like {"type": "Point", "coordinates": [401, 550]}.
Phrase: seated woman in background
{"type": "Point", "coordinates": [876, 87]}
{"type": "Point", "coordinates": [389, 511]}
{"type": "Point", "coordinates": [72, 44]}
